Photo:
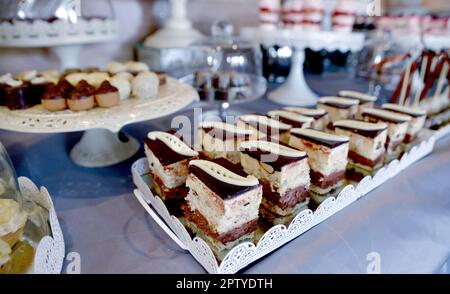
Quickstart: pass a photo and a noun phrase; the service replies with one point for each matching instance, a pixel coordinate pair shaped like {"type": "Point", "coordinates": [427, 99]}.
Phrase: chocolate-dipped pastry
{"type": "Point", "coordinates": [17, 95]}
{"type": "Point", "coordinates": [82, 98]}
{"type": "Point", "coordinates": [53, 98]}
{"type": "Point", "coordinates": [221, 81]}
{"type": "Point", "coordinates": [107, 95]}
{"type": "Point", "coordinates": [2, 93]}
{"type": "Point", "coordinates": [203, 80]}
{"type": "Point", "coordinates": [38, 86]}
{"type": "Point", "coordinates": [65, 87]}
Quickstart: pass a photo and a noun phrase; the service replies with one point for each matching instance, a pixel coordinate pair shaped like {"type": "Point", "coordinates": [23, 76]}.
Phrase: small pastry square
{"type": "Point", "coordinates": [17, 95]}
{"type": "Point", "coordinates": [338, 108]}
{"type": "Point", "coordinates": [367, 146]}
{"type": "Point", "coordinates": [320, 116]}
{"type": "Point", "coordinates": [397, 128]}
{"type": "Point", "coordinates": [222, 204]}
{"type": "Point", "coordinates": [365, 100]}
{"type": "Point", "coordinates": [327, 157]}
{"type": "Point", "coordinates": [168, 160]}
{"type": "Point", "coordinates": [264, 128]}
{"type": "Point", "coordinates": [417, 122]}
{"type": "Point", "coordinates": [145, 85]}
{"type": "Point", "coordinates": [283, 172]}
{"type": "Point", "coordinates": [221, 140]}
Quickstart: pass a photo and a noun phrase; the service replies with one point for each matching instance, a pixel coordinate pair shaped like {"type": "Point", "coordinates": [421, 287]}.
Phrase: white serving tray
{"type": "Point", "coordinates": [245, 253]}
{"type": "Point", "coordinates": [50, 251]}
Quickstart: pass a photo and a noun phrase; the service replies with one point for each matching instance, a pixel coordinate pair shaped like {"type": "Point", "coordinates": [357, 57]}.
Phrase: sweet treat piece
{"type": "Point", "coordinates": [12, 221]}
{"type": "Point", "coordinates": [222, 204]}
{"type": "Point", "coordinates": [122, 84]}
{"type": "Point", "coordinates": [168, 159]}
{"type": "Point", "coordinates": [17, 95]}
{"type": "Point", "coordinates": [320, 116]}
{"type": "Point", "coordinates": [397, 128]}
{"type": "Point", "coordinates": [282, 171]}
{"type": "Point", "coordinates": [344, 15]}
{"type": "Point", "coordinates": [415, 125]}
{"type": "Point", "coordinates": [269, 13]}
{"type": "Point", "coordinates": [107, 95]}
{"type": "Point", "coordinates": [265, 128]}
{"type": "Point", "coordinates": [97, 78]}
{"type": "Point", "coordinates": [365, 100]}
{"type": "Point", "coordinates": [50, 74]}
{"type": "Point", "coordinates": [145, 85]}
{"type": "Point", "coordinates": [291, 118]}
{"type": "Point", "coordinates": [53, 98]}
{"type": "Point", "coordinates": [115, 67]}
{"type": "Point", "coordinates": [203, 79]}
{"type": "Point", "coordinates": [367, 141]}
{"type": "Point", "coordinates": [135, 67]}
{"type": "Point", "coordinates": [339, 108]}
{"type": "Point", "coordinates": [82, 98]}
{"type": "Point", "coordinates": [221, 140]}
{"type": "Point", "coordinates": [313, 13]}
{"type": "Point", "coordinates": [327, 157]}
{"type": "Point", "coordinates": [37, 88]}
{"type": "Point", "coordinates": [75, 78]}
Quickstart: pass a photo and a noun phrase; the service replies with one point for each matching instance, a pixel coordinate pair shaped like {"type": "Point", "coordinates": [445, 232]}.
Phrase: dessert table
{"type": "Point", "coordinates": [402, 226]}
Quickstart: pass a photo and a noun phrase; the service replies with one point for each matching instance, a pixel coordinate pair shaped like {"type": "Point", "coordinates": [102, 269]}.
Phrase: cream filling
{"type": "Point", "coordinates": [370, 148]}
{"type": "Point", "coordinates": [223, 215]}
{"type": "Point", "coordinates": [173, 175]}
{"type": "Point", "coordinates": [322, 158]}
{"type": "Point", "coordinates": [336, 114]}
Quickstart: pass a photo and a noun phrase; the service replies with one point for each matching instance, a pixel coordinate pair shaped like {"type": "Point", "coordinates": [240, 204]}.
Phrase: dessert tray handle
{"type": "Point", "coordinates": [157, 219]}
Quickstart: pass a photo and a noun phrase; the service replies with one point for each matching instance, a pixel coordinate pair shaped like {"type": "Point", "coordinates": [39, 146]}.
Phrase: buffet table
{"type": "Point", "coordinates": [404, 223]}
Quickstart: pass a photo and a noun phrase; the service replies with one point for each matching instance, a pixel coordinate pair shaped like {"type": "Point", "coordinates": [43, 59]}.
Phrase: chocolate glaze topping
{"type": "Point", "coordinates": [164, 153]}
{"type": "Point", "coordinates": [365, 133]}
{"type": "Point", "coordinates": [65, 87]}
{"type": "Point", "coordinates": [265, 156]}
{"type": "Point", "coordinates": [106, 88]}
{"type": "Point", "coordinates": [317, 140]}
{"type": "Point", "coordinates": [223, 190]}
{"type": "Point", "coordinates": [236, 168]}
{"type": "Point", "coordinates": [336, 104]}
{"type": "Point", "coordinates": [382, 118]}
{"type": "Point", "coordinates": [52, 91]}
{"type": "Point", "coordinates": [82, 91]}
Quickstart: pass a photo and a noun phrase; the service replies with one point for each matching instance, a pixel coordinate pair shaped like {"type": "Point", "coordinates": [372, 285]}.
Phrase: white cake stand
{"type": "Point", "coordinates": [63, 38]}
{"type": "Point", "coordinates": [295, 91]}
{"type": "Point", "coordinates": [102, 144]}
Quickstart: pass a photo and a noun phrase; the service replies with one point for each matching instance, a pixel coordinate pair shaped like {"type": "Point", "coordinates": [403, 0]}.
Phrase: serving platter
{"type": "Point", "coordinates": [246, 253]}
{"type": "Point", "coordinates": [101, 145]}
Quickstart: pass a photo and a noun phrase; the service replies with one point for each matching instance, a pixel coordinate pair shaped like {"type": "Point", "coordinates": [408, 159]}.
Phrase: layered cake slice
{"type": "Point", "coordinates": [327, 157]}
{"type": "Point", "coordinates": [291, 118]}
{"type": "Point", "coordinates": [367, 141]}
{"type": "Point", "coordinates": [168, 160]}
{"type": "Point", "coordinates": [417, 122]}
{"type": "Point", "coordinates": [221, 140]}
{"type": "Point", "coordinates": [397, 128]}
{"type": "Point", "coordinates": [320, 116]}
{"type": "Point", "coordinates": [265, 128]}
{"type": "Point", "coordinates": [283, 173]}
{"type": "Point", "coordinates": [338, 109]}
{"type": "Point", "coordinates": [365, 100]}
{"type": "Point", "coordinates": [222, 206]}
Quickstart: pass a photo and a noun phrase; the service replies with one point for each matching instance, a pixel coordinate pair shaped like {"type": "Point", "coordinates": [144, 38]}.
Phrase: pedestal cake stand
{"type": "Point", "coordinates": [102, 144]}
{"type": "Point", "coordinates": [63, 38]}
{"type": "Point", "coordinates": [295, 91]}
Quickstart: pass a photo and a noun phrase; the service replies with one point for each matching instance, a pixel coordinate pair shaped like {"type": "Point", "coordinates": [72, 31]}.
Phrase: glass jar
{"type": "Point", "coordinates": [230, 71]}
{"type": "Point", "coordinates": [23, 222]}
